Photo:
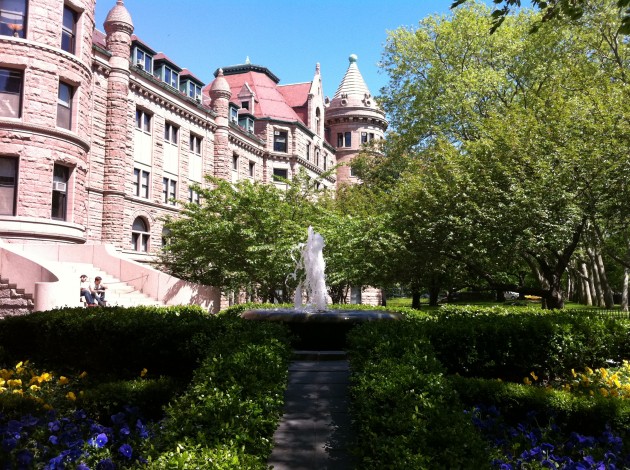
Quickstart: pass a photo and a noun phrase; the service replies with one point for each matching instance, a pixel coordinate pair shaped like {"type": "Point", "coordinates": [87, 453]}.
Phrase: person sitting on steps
{"type": "Point", "coordinates": [99, 291]}
{"type": "Point", "coordinates": [86, 290]}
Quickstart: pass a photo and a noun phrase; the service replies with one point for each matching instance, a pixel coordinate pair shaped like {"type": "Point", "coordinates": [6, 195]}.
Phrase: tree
{"type": "Point", "coordinates": [241, 237]}
{"type": "Point", "coordinates": [508, 140]}
{"type": "Point", "coordinates": [553, 9]}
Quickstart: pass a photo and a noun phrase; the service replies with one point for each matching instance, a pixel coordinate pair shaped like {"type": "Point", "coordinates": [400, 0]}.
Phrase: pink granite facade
{"type": "Point", "coordinates": [100, 134]}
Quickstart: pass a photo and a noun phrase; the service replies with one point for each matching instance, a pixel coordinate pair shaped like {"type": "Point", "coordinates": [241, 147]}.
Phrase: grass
{"type": "Point", "coordinates": [396, 302]}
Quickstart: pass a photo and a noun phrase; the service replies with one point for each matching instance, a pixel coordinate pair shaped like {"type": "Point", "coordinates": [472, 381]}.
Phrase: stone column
{"type": "Point", "coordinates": [118, 142]}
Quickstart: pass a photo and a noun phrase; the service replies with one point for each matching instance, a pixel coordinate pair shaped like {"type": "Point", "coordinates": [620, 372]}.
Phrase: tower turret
{"type": "Point", "coordinates": [354, 119]}
{"type": "Point", "coordinates": [118, 154]}
{"type": "Point", "coordinates": [220, 93]}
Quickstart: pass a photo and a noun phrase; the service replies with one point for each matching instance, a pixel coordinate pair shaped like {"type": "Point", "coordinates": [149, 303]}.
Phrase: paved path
{"type": "Point", "coordinates": [315, 428]}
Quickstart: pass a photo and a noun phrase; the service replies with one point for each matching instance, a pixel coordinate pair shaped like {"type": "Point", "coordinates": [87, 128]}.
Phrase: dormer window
{"type": "Point", "coordinates": [247, 123]}
{"type": "Point", "coordinates": [143, 60]}
{"type": "Point", "coordinates": [169, 76]}
{"type": "Point", "coordinates": [245, 104]}
{"type": "Point", "coordinates": [190, 88]}
{"type": "Point", "coordinates": [233, 114]}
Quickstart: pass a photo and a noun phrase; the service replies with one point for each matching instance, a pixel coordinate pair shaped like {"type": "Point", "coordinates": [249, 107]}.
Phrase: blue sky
{"type": "Point", "coordinates": [287, 36]}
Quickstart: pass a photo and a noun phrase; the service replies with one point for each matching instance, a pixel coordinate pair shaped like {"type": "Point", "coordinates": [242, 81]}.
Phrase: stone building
{"type": "Point", "coordinates": [86, 178]}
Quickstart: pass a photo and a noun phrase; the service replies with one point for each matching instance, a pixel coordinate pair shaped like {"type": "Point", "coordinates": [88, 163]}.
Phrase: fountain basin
{"type": "Point", "coordinates": [319, 330]}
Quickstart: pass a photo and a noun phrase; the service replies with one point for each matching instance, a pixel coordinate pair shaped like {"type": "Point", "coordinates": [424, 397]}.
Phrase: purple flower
{"type": "Point", "coordinates": [118, 418]}
{"type": "Point", "coordinates": [24, 457]}
{"type": "Point", "coordinates": [125, 450]}
{"type": "Point", "coordinates": [124, 431]}
{"type": "Point", "coordinates": [106, 464]}
{"type": "Point", "coordinates": [53, 440]}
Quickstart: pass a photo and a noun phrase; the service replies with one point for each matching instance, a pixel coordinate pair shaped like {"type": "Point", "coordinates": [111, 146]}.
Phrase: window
{"type": "Point", "coordinates": [140, 235]}
{"type": "Point", "coordinates": [317, 157]}
{"type": "Point", "coordinates": [352, 171]}
{"type": "Point", "coordinates": [325, 162]}
{"type": "Point", "coordinates": [235, 162]}
{"type": "Point", "coordinates": [371, 136]}
{"type": "Point", "coordinates": [246, 123]}
{"type": "Point", "coordinates": [69, 30]}
{"type": "Point", "coordinates": [280, 174]}
{"type": "Point", "coordinates": [355, 295]}
{"type": "Point", "coordinates": [193, 196]}
{"type": "Point", "coordinates": [141, 183]}
{"type": "Point", "coordinates": [170, 133]}
{"type": "Point", "coordinates": [340, 139]}
{"type": "Point", "coordinates": [191, 89]}
{"type": "Point", "coordinates": [169, 191]}
{"type": "Point", "coordinates": [171, 77]}
{"type": "Point", "coordinates": [143, 121]}
{"type": "Point", "coordinates": [233, 115]}
{"type": "Point", "coordinates": [195, 144]}
{"type": "Point", "coordinates": [245, 104]}
{"type": "Point", "coordinates": [166, 236]}
{"type": "Point", "coordinates": [364, 137]}
{"type": "Point", "coordinates": [280, 141]}
{"type": "Point", "coordinates": [13, 18]}
{"type": "Point", "coordinates": [143, 60]}
{"type": "Point", "coordinates": [317, 120]}
{"type": "Point", "coordinates": [11, 92]}
{"type": "Point", "coordinates": [252, 169]}
{"type": "Point", "coordinates": [61, 175]}
{"type": "Point", "coordinates": [348, 139]}
{"type": "Point", "coordinates": [64, 106]}
{"type": "Point", "coordinates": [8, 185]}
{"type": "Point", "coordinates": [308, 151]}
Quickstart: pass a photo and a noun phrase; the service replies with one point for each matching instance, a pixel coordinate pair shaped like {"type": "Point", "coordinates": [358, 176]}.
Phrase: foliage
{"type": "Point", "coordinates": [241, 236]}
{"type": "Point", "coordinates": [497, 161]}
{"type": "Point", "coordinates": [554, 9]}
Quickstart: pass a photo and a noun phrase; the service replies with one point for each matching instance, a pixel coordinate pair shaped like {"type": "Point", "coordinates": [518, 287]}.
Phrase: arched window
{"type": "Point", "coordinates": [317, 120]}
{"type": "Point", "coordinates": [140, 235]}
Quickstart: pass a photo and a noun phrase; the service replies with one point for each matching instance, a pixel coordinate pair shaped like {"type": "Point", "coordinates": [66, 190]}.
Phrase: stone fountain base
{"type": "Point", "coordinates": [319, 331]}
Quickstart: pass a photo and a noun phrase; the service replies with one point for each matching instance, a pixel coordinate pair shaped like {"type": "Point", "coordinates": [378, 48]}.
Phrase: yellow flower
{"type": "Point", "coordinates": [6, 374]}
{"type": "Point", "coordinates": [71, 396]}
{"type": "Point", "coordinates": [614, 393]}
{"type": "Point", "coordinates": [18, 391]}
{"type": "Point", "coordinates": [83, 375]}
{"type": "Point", "coordinates": [2, 382]}
{"type": "Point", "coordinates": [48, 407]}
{"type": "Point", "coordinates": [603, 391]}
{"type": "Point", "coordinates": [143, 372]}
{"type": "Point", "coordinates": [34, 388]}
{"type": "Point", "coordinates": [14, 383]}
{"type": "Point", "coordinates": [45, 377]}
{"type": "Point", "coordinates": [527, 381]}
{"type": "Point", "coordinates": [63, 380]}
{"type": "Point", "coordinates": [588, 370]}
{"type": "Point", "coordinates": [604, 372]}
{"type": "Point", "coordinates": [534, 376]}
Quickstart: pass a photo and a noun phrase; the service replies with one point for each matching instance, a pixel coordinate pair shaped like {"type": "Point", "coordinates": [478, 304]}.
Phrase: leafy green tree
{"type": "Point", "coordinates": [241, 237]}
{"type": "Point", "coordinates": [503, 142]}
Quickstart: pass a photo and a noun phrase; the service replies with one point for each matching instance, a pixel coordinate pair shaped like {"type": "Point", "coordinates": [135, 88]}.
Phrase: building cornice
{"type": "Point", "coordinates": [38, 46]}
{"type": "Point", "coordinates": [60, 134]}
{"type": "Point", "coordinates": [136, 86]}
{"type": "Point", "coordinates": [245, 145]}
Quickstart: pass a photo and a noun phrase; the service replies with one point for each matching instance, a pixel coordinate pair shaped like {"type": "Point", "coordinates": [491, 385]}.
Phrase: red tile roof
{"type": "Point", "coordinates": [272, 101]}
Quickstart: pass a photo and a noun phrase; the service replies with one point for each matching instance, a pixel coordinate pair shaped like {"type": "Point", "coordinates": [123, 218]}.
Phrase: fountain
{"type": "Point", "coordinates": [315, 325]}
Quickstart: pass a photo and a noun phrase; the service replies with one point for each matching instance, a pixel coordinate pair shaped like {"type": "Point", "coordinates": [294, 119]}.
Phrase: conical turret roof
{"type": "Point", "coordinates": [352, 83]}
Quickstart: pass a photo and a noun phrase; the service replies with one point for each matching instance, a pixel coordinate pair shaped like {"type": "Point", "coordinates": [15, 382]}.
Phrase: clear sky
{"type": "Point", "coordinates": [287, 36]}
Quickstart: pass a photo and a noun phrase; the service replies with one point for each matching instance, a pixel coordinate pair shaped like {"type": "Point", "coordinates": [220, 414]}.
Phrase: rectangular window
{"type": "Point", "coordinates": [280, 141]}
{"type": "Point", "coordinates": [371, 136]}
{"type": "Point", "coordinates": [143, 121]}
{"type": "Point", "coordinates": [235, 162]}
{"type": "Point", "coordinates": [195, 144]}
{"type": "Point", "coordinates": [252, 169]}
{"type": "Point", "coordinates": [340, 139]}
{"type": "Point", "coordinates": [364, 137]}
{"type": "Point", "coordinates": [170, 133]}
{"type": "Point", "coordinates": [64, 106]}
{"type": "Point", "coordinates": [11, 92]}
{"type": "Point", "coordinates": [61, 175]}
{"type": "Point", "coordinates": [280, 174]}
{"type": "Point", "coordinates": [13, 18]}
{"type": "Point", "coordinates": [69, 30]}
{"type": "Point", "coordinates": [348, 139]}
{"type": "Point", "coordinates": [308, 151]}
{"type": "Point", "coordinates": [8, 185]}
{"type": "Point", "coordinates": [245, 104]}
{"type": "Point", "coordinates": [170, 76]}
{"type": "Point", "coordinates": [194, 90]}
{"type": "Point", "coordinates": [233, 114]}
{"type": "Point", "coordinates": [169, 191]}
{"type": "Point", "coordinates": [143, 60]}
{"type": "Point", "coordinates": [193, 196]}
{"type": "Point", "coordinates": [140, 183]}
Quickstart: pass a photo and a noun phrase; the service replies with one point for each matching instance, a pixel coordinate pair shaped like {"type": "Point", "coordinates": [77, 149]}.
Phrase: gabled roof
{"type": "Point", "coordinates": [161, 57]}
{"type": "Point", "coordinates": [188, 75]}
{"type": "Point", "coordinates": [135, 39]}
{"type": "Point", "coordinates": [270, 101]}
{"type": "Point", "coordinates": [296, 96]}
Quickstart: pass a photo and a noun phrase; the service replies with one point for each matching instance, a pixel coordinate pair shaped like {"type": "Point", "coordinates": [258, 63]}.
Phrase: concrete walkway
{"type": "Point", "coordinates": [315, 429]}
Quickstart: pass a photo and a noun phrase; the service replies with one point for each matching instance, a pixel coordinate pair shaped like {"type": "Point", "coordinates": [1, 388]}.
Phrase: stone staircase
{"type": "Point", "coordinates": [14, 301]}
{"type": "Point", "coordinates": [118, 293]}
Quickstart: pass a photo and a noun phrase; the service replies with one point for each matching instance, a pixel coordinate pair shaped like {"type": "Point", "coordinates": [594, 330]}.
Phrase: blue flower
{"type": "Point", "coordinates": [54, 426]}
{"type": "Point", "coordinates": [99, 441]}
{"type": "Point", "coordinates": [24, 457]}
{"type": "Point", "coordinates": [126, 450]}
{"type": "Point", "coordinates": [118, 418]}
{"type": "Point", "coordinates": [124, 431]}
{"type": "Point", "coordinates": [82, 466]}
{"type": "Point", "coordinates": [9, 443]}
{"type": "Point", "coordinates": [53, 440]}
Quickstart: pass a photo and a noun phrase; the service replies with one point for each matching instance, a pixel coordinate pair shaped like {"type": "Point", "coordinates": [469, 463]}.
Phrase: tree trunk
{"type": "Point", "coordinates": [500, 294]}
{"type": "Point", "coordinates": [603, 279]}
{"type": "Point", "coordinates": [434, 294]}
{"type": "Point", "coordinates": [555, 299]}
{"type": "Point", "coordinates": [383, 298]}
{"type": "Point", "coordinates": [599, 298]}
{"type": "Point", "coordinates": [415, 298]}
{"type": "Point", "coordinates": [624, 290]}
{"type": "Point", "coordinates": [590, 293]}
